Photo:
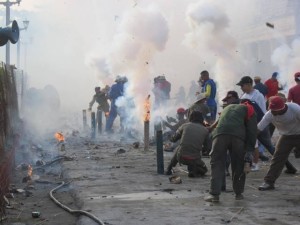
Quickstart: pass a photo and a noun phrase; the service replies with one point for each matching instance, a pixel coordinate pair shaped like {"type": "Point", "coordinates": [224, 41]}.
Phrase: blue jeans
{"type": "Point", "coordinates": [213, 111]}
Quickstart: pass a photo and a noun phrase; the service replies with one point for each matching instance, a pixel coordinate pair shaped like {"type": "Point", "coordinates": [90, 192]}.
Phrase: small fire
{"type": "Point", "coordinates": [147, 107]}
{"type": "Point", "coordinates": [59, 136]}
{"type": "Point", "coordinates": [29, 172]}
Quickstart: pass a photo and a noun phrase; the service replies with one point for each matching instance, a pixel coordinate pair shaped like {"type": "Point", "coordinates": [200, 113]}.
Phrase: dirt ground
{"type": "Point", "coordinates": [123, 187]}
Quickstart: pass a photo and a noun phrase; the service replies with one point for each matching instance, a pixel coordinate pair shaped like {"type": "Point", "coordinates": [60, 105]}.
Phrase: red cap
{"type": "Point", "coordinates": [297, 75]}
{"type": "Point", "coordinates": [276, 103]}
{"type": "Point", "coordinates": [180, 110]}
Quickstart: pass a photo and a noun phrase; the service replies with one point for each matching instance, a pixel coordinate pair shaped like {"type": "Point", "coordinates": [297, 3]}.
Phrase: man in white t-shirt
{"type": "Point", "coordinates": [252, 94]}
{"type": "Point", "coordinates": [286, 118]}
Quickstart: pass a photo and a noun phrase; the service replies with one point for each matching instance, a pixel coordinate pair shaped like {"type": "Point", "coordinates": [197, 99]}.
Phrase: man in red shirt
{"type": "Point", "coordinates": [272, 85]}
{"type": "Point", "coordinates": [294, 92]}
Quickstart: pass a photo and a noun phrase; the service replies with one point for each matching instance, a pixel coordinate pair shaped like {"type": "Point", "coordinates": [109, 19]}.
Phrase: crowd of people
{"type": "Point", "coordinates": [237, 136]}
{"type": "Point", "coordinates": [240, 134]}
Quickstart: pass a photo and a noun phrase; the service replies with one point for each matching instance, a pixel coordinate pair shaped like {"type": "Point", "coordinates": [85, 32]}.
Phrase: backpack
{"type": "Point", "coordinates": [257, 109]}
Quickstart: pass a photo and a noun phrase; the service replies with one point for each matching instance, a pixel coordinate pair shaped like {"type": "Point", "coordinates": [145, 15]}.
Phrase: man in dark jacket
{"type": "Point", "coordinates": [260, 86]}
{"type": "Point", "coordinates": [101, 98]}
{"type": "Point", "coordinates": [116, 91]}
{"type": "Point", "coordinates": [192, 135]}
{"type": "Point", "coordinates": [236, 132]}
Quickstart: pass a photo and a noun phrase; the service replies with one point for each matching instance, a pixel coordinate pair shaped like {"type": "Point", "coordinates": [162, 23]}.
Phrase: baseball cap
{"type": "Point", "coordinates": [245, 80]}
{"type": "Point", "coordinates": [276, 103]}
{"type": "Point", "coordinates": [275, 74]}
{"type": "Point", "coordinates": [297, 75]}
{"type": "Point", "coordinates": [229, 95]}
{"type": "Point", "coordinates": [257, 78]}
{"type": "Point", "coordinates": [200, 97]}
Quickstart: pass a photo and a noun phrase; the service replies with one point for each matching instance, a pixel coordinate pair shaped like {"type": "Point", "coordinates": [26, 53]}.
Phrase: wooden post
{"type": "Point", "coordinates": [146, 135]}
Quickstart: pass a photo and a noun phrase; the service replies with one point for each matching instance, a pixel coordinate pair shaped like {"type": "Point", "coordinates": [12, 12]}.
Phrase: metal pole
{"type": "Point", "coordinates": [93, 123]}
{"type": "Point", "coordinates": [18, 54]}
{"type": "Point", "coordinates": [99, 121]}
{"type": "Point", "coordinates": [84, 119]}
{"type": "Point", "coordinates": [159, 149]}
{"type": "Point", "coordinates": [7, 5]}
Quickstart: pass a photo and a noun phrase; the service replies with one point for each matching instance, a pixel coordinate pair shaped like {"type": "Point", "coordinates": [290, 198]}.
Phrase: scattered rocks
{"type": "Point", "coordinates": [121, 151]}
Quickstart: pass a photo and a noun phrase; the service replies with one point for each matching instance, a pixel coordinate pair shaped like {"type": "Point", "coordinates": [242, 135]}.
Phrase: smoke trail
{"type": "Point", "coordinates": [210, 36]}
{"type": "Point", "coordinates": [287, 59]}
{"type": "Point", "coordinates": [141, 34]}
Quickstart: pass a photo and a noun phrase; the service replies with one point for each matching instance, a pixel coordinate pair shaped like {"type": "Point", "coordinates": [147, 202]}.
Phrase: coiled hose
{"type": "Point", "coordinates": [81, 212]}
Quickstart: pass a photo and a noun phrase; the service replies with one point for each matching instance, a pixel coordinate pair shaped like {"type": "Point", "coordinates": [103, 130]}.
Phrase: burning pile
{"type": "Point", "coordinates": [61, 140]}
{"type": "Point", "coordinates": [29, 175]}
{"type": "Point", "coordinates": [147, 107]}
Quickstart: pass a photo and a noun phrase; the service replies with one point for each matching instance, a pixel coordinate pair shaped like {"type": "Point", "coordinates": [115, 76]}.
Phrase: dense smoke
{"type": "Point", "coordinates": [141, 34]}
{"type": "Point", "coordinates": [68, 43]}
{"type": "Point", "coordinates": [209, 35]}
{"type": "Point", "coordinates": [287, 59]}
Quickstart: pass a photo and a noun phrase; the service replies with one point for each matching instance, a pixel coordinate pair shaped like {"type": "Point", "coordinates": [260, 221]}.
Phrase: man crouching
{"type": "Point", "coordinates": [193, 135]}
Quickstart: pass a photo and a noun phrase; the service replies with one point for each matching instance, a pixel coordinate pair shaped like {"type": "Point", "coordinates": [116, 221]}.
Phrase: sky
{"type": "Point", "coordinates": [77, 45]}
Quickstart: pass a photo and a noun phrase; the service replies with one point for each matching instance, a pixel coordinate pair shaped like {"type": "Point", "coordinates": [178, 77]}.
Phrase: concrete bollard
{"type": "Point", "coordinates": [93, 123]}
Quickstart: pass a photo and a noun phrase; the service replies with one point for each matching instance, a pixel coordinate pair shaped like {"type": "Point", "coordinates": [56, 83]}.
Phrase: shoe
{"type": "Point", "coordinates": [255, 167]}
{"type": "Point", "coordinates": [290, 171]}
{"type": "Point", "coordinates": [263, 158]}
{"type": "Point", "coordinates": [168, 172]}
{"type": "Point", "coordinates": [266, 186]}
{"type": "Point", "coordinates": [211, 198]}
{"type": "Point", "coordinates": [239, 197]}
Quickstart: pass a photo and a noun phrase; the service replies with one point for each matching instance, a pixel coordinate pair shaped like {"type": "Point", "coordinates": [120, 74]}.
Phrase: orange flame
{"type": "Point", "coordinates": [29, 172]}
{"type": "Point", "coordinates": [147, 107]}
{"type": "Point", "coordinates": [59, 136]}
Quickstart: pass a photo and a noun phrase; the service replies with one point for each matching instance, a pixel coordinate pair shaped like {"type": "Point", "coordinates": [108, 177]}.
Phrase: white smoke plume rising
{"type": "Point", "coordinates": [287, 59]}
{"type": "Point", "coordinates": [141, 34]}
{"type": "Point", "coordinates": [210, 36]}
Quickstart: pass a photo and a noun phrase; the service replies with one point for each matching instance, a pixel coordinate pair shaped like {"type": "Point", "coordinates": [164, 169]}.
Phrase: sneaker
{"type": "Point", "coordinates": [211, 198]}
{"type": "Point", "coordinates": [168, 172]}
{"type": "Point", "coordinates": [239, 197]}
{"type": "Point", "coordinates": [290, 171]}
{"type": "Point", "coordinates": [255, 167]}
{"type": "Point", "coordinates": [266, 186]}
{"type": "Point", "coordinates": [263, 158]}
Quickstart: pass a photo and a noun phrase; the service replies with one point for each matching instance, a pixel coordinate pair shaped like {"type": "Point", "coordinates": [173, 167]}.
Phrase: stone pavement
{"type": "Point", "coordinates": [124, 188]}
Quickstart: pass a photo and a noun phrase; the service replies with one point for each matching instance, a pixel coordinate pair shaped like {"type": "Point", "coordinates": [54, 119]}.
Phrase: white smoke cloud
{"type": "Point", "coordinates": [287, 59]}
{"type": "Point", "coordinates": [209, 35]}
{"type": "Point", "coordinates": [141, 34]}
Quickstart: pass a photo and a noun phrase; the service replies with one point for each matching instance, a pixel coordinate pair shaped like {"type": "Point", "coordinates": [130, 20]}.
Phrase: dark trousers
{"type": "Point", "coordinates": [265, 139]}
{"type": "Point", "coordinates": [236, 148]}
{"type": "Point", "coordinates": [283, 149]}
{"type": "Point", "coordinates": [195, 165]}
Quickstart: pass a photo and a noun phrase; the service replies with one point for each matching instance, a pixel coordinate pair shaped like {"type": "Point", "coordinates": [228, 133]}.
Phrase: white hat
{"type": "Point", "coordinates": [200, 97]}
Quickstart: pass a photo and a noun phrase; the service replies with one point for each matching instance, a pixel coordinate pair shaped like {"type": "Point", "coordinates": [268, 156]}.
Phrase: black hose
{"type": "Point", "coordinates": [71, 210]}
